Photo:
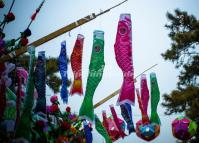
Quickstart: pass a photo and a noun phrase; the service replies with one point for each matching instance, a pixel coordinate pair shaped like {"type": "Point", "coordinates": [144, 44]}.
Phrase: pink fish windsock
{"type": "Point", "coordinates": [123, 55]}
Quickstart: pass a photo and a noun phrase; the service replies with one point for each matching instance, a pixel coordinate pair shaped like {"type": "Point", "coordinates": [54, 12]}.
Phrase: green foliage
{"type": "Point", "coordinates": [184, 53]}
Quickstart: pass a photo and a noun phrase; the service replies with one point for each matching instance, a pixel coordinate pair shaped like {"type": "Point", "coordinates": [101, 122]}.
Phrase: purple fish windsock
{"type": "Point", "coordinates": [123, 55]}
{"type": "Point", "coordinates": [144, 93]}
{"type": "Point", "coordinates": [40, 82]}
{"type": "Point", "coordinates": [63, 67]}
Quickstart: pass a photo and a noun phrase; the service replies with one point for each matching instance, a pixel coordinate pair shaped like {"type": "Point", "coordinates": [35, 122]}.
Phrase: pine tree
{"type": "Point", "coordinates": [184, 53]}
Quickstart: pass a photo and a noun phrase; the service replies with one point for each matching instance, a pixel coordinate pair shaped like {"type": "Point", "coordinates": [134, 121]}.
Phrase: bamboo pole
{"type": "Point", "coordinates": [118, 91]}
{"type": "Point", "coordinates": [55, 34]}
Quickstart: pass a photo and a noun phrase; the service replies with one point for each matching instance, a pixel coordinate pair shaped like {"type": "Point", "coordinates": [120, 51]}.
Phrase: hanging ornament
{"type": "Point", "coordinates": [148, 129]}
{"type": "Point", "coordinates": [96, 69]}
{"type": "Point", "coordinates": [76, 64]}
{"type": "Point", "coordinates": [10, 17]}
{"type": "Point", "coordinates": [184, 128]}
{"type": "Point", "coordinates": [2, 4]}
{"type": "Point", "coordinates": [123, 54]}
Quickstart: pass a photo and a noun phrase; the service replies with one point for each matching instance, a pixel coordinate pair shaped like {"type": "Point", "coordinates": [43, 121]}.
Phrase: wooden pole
{"type": "Point", "coordinates": [55, 34]}
{"type": "Point", "coordinates": [118, 91]}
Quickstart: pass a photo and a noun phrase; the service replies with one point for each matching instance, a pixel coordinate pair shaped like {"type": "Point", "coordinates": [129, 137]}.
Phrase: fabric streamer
{"type": "Point", "coordinates": [87, 131]}
{"type": "Point", "coordinates": [101, 130]}
{"type": "Point", "coordinates": [123, 54]}
{"type": "Point", "coordinates": [155, 98]}
{"type": "Point", "coordinates": [63, 67]}
{"type": "Point", "coordinates": [116, 120]}
{"type": "Point", "coordinates": [144, 93]}
{"type": "Point", "coordinates": [40, 82]}
{"type": "Point", "coordinates": [111, 127]}
{"type": "Point", "coordinates": [23, 128]}
{"type": "Point", "coordinates": [127, 117]}
{"type": "Point", "coordinates": [76, 64]}
{"type": "Point", "coordinates": [96, 68]}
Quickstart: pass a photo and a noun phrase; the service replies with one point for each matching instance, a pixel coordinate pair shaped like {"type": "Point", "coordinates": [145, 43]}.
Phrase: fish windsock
{"type": "Point", "coordinates": [117, 121]}
{"type": "Point", "coordinates": [40, 82]}
{"type": "Point", "coordinates": [63, 67]}
{"type": "Point", "coordinates": [101, 130]}
{"type": "Point", "coordinates": [144, 93]}
{"type": "Point", "coordinates": [87, 131]}
{"type": "Point", "coordinates": [76, 64]}
{"type": "Point", "coordinates": [96, 69]}
{"type": "Point", "coordinates": [125, 111]}
{"type": "Point", "coordinates": [155, 98]}
{"type": "Point", "coordinates": [123, 55]}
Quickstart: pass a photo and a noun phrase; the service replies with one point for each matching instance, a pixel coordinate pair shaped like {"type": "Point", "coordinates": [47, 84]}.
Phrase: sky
{"type": "Point", "coordinates": [150, 39]}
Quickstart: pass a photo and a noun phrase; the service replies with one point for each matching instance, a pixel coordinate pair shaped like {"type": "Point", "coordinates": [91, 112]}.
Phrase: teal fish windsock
{"type": "Point", "coordinates": [96, 68]}
{"type": "Point", "coordinates": [155, 98]}
{"type": "Point", "coordinates": [123, 55]}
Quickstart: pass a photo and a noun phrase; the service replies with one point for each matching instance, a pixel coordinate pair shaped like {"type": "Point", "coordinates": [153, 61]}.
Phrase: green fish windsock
{"type": "Point", "coordinates": [23, 128]}
{"type": "Point", "coordinates": [100, 128]}
{"type": "Point", "coordinates": [155, 98]}
{"type": "Point", "coordinates": [96, 68]}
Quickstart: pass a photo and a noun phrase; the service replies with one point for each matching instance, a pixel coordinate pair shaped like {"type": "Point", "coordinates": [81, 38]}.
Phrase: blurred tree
{"type": "Point", "coordinates": [184, 52]}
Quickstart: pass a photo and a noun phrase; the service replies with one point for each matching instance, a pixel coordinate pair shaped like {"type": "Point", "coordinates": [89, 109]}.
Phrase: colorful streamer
{"type": "Point", "coordinates": [96, 68]}
{"type": "Point", "coordinates": [116, 120]}
{"type": "Point", "coordinates": [100, 128]}
{"type": "Point", "coordinates": [76, 64]}
{"type": "Point", "coordinates": [123, 54]}
{"type": "Point", "coordinates": [155, 98]}
{"type": "Point", "coordinates": [63, 67]}
{"type": "Point", "coordinates": [40, 82]}
{"type": "Point", "coordinates": [23, 128]}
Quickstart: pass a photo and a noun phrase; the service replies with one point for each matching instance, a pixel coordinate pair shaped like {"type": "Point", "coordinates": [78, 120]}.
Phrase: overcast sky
{"type": "Point", "coordinates": [150, 39]}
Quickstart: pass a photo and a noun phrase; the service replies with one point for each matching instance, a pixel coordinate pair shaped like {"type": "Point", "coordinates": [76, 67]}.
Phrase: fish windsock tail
{"type": "Point", "coordinates": [131, 128]}
{"type": "Point", "coordinates": [76, 87]}
{"type": "Point", "coordinates": [127, 92]}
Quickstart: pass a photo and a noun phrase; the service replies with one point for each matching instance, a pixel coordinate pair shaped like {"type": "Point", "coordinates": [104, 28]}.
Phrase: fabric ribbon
{"type": "Point", "coordinates": [144, 93]}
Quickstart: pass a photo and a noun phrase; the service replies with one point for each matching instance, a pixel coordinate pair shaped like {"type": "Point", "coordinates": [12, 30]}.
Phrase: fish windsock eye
{"type": "Point", "coordinates": [123, 30]}
{"type": "Point", "coordinates": [97, 48]}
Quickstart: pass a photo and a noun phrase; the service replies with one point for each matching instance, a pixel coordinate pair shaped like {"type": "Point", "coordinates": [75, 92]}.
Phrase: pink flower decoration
{"type": "Point", "coordinates": [53, 99]}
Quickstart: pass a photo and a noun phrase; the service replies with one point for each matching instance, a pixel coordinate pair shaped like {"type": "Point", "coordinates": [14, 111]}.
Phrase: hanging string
{"type": "Point", "coordinates": [4, 22]}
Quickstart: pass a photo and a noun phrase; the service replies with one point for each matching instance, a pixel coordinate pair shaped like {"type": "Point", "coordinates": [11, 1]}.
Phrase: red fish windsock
{"type": "Point", "coordinates": [76, 64]}
{"type": "Point", "coordinates": [123, 55]}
